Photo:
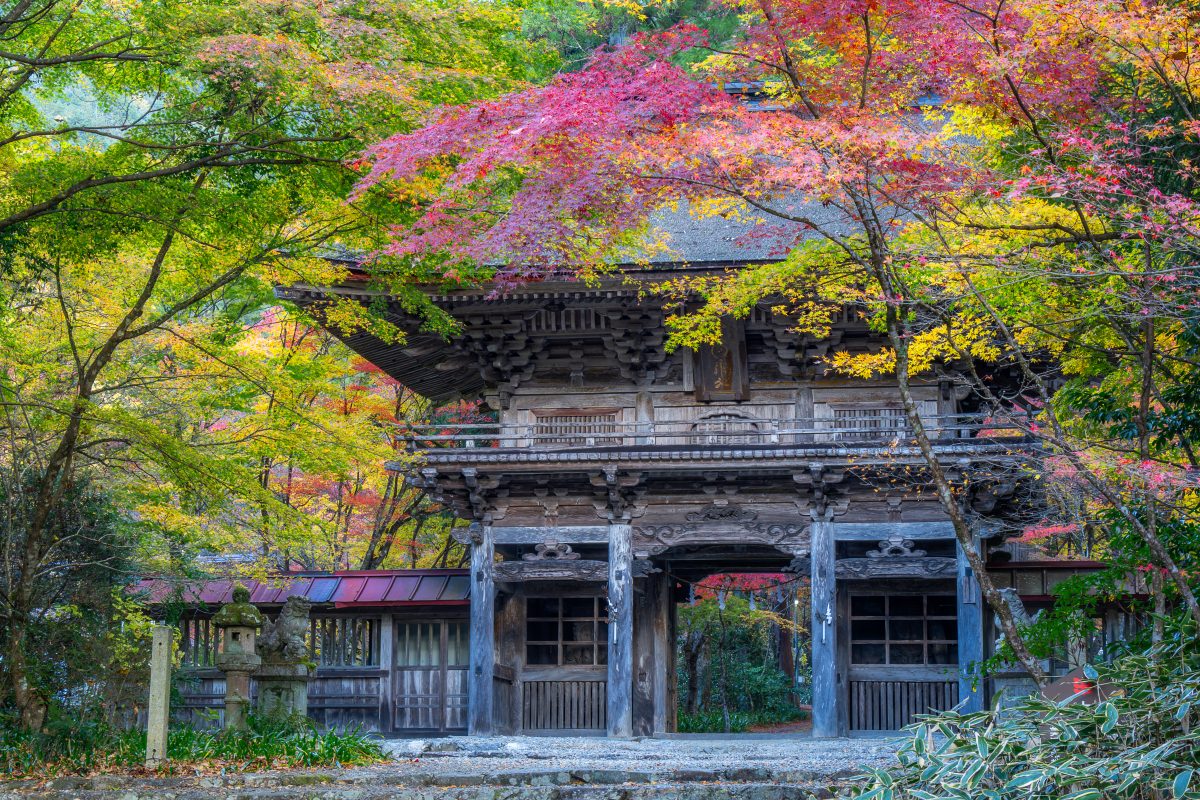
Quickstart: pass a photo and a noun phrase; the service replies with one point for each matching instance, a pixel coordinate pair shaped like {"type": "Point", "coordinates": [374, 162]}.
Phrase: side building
{"type": "Point", "coordinates": [391, 647]}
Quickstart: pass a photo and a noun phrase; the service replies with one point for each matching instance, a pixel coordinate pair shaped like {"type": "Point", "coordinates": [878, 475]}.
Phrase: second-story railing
{"type": "Point", "coordinates": [862, 430]}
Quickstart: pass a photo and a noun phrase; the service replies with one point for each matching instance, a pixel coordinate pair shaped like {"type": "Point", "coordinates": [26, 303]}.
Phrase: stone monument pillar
{"type": "Point", "coordinates": [238, 622]}
{"type": "Point", "coordinates": [286, 666]}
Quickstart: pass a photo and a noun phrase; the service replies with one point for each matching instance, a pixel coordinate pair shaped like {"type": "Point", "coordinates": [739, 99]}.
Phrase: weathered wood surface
{"type": "Point", "coordinates": [510, 658]}
{"type": "Point", "coordinates": [347, 701]}
{"type": "Point", "coordinates": [826, 691]}
{"type": "Point", "coordinates": [970, 633]}
{"type": "Point", "coordinates": [620, 631]}
{"type": "Point", "coordinates": [878, 531]}
{"type": "Point", "coordinates": [890, 705]}
{"type": "Point", "coordinates": [431, 699]}
{"type": "Point", "coordinates": [895, 567]}
{"type": "Point", "coordinates": [662, 663]}
{"type": "Point", "coordinates": [387, 658]}
{"type": "Point", "coordinates": [483, 636]}
{"type": "Point", "coordinates": [564, 705]}
{"type": "Point", "coordinates": [572, 534]}
{"type": "Point", "coordinates": [644, 666]}
{"type": "Point", "coordinates": [580, 569]}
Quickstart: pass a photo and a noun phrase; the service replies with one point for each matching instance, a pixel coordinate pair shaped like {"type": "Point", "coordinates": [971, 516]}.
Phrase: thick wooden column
{"type": "Point", "coordinates": [483, 634]}
{"type": "Point", "coordinates": [970, 633]}
{"type": "Point", "coordinates": [620, 630]}
{"type": "Point", "coordinates": [827, 697]}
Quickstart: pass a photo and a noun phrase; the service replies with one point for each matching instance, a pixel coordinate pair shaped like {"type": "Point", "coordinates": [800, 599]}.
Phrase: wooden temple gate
{"type": "Point", "coordinates": [605, 467]}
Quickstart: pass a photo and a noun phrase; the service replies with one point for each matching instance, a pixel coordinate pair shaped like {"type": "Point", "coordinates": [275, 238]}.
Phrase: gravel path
{"type": "Point", "coordinates": [775, 753]}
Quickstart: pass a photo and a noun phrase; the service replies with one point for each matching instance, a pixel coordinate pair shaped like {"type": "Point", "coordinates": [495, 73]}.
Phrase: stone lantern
{"type": "Point", "coordinates": [238, 622]}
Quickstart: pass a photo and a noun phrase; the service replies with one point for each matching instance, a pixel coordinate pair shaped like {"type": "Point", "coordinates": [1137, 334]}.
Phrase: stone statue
{"type": "Point", "coordinates": [283, 642]}
{"type": "Point", "coordinates": [283, 678]}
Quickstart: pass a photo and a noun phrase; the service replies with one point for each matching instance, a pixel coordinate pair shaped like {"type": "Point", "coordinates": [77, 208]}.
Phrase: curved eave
{"type": "Point", "coordinates": [430, 365]}
{"type": "Point", "coordinates": [420, 363]}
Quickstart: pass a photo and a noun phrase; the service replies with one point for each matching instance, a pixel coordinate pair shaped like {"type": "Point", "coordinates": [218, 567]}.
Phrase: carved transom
{"type": "Point", "coordinates": [723, 512]}
{"type": "Point", "coordinates": [551, 551]}
{"type": "Point", "coordinates": [896, 547]}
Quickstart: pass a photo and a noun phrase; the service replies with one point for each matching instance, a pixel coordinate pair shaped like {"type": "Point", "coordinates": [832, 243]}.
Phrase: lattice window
{"type": "Point", "coordinates": [866, 424]}
{"type": "Point", "coordinates": [903, 629]}
{"type": "Point", "coordinates": [419, 644]}
{"type": "Point", "coordinates": [727, 429]}
{"type": "Point", "coordinates": [199, 642]}
{"type": "Point", "coordinates": [566, 631]}
{"type": "Point", "coordinates": [344, 641]}
{"type": "Point", "coordinates": [575, 428]}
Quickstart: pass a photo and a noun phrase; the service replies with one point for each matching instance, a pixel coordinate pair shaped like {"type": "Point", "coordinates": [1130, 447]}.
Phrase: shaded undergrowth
{"type": "Point", "coordinates": [89, 749]}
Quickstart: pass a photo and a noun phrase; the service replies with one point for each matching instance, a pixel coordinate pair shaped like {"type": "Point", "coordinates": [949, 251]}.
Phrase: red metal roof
{"type": "Point", "coordinates": [400, 587]}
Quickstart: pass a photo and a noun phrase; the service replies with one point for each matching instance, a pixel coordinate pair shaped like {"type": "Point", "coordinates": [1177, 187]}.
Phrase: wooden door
{"type": "Point", "coordinates": [431, 676]}
{"type": "Point", "coordinates": [903, 658]}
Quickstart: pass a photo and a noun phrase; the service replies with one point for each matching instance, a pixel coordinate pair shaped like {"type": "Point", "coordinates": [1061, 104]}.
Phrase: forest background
{"type": "Point", "coordinates": [1013, 184]}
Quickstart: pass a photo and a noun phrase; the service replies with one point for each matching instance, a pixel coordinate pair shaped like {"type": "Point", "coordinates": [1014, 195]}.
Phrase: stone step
{"type": "Point", "coordinates": [655, 791]}
{"type": "Point", "coordinates": [399, 784]}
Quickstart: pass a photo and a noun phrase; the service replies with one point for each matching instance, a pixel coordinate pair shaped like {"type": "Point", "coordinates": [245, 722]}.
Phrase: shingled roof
{"type": "Point", "coordinates": [350, 589]}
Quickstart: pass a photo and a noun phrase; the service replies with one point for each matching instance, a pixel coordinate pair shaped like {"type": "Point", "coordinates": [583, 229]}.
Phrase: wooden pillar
{"type": "Point", "coordinates": [827, 693]}
{"type": "Point", "coordinates": [387, 676]}
{"type": "Point", "coordinates": [970, 633]}
{"type": "Point", "coordinates": [644, 667]}
{"type": "Point", "coordinates": [483, 635]}
{"type": "Point", "coordinates": [620, 630]}
{"type": "Point", "coordinates": [159, 707]}
{"type": "Point", "coordinates": [664, 655]}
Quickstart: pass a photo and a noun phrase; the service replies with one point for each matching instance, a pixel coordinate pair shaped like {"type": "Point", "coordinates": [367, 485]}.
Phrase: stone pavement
{"type": "Point", "coordinates": [714, 753]}
{"type": "Point", "coordinates": [744, 767]}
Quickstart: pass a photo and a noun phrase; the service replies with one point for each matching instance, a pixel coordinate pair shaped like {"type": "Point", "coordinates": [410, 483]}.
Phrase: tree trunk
{"type": "Point", "coordinates": [950, 503]}
{"type": "Point", "coordinates": [31, 708]}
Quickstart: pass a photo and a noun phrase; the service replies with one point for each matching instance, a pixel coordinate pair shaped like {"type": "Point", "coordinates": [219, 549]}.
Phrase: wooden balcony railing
{"type": "Point", "coordinates": [864, 431]}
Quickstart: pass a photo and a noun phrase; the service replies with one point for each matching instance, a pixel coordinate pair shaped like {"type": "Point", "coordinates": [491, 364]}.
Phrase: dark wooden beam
{"type": "Point", "coordinates": [578, 534]}
{"type": "Point", "coordinates": [878, 531]}
{"type": "Point", "coordinates": [580, 569]}
{"type": "Point", "coordinates": [895, 567]}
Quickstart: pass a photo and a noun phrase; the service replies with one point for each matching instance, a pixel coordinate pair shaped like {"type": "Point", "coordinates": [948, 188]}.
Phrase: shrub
{"type": "Point", "coordinates": [84, 749]}
{"type": "Point", "coordinates": [1140, 743]}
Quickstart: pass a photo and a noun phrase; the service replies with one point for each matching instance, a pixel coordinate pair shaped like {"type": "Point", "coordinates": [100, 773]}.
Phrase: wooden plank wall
{"type": "Point", "coordinates": [890, 705]}
{"type": "Point", "coordinates": [564, 705]}
{"type": "Point", "coordinates": [343, 699]}
{"type": "Point", "coordinates": [346, 700]}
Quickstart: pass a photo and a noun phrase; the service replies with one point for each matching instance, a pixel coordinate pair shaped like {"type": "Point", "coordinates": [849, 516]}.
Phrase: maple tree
{"type": "Point", "coordinates": [1005, 185]}
{"type": "Point", "coordinates": [162, 166]}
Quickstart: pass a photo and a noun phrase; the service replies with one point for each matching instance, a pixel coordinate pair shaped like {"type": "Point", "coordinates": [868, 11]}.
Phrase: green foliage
{"type": "Point", "coordinates": [70, 747]}
{"type": "Point", "coordinates": [728, 667]}
{"type": "Point", "coordinates": [576, 30]}
{"type": "Point", "coordinates": [1141, 743]}
{"type": "Point", "coordinates": [739, 721]}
